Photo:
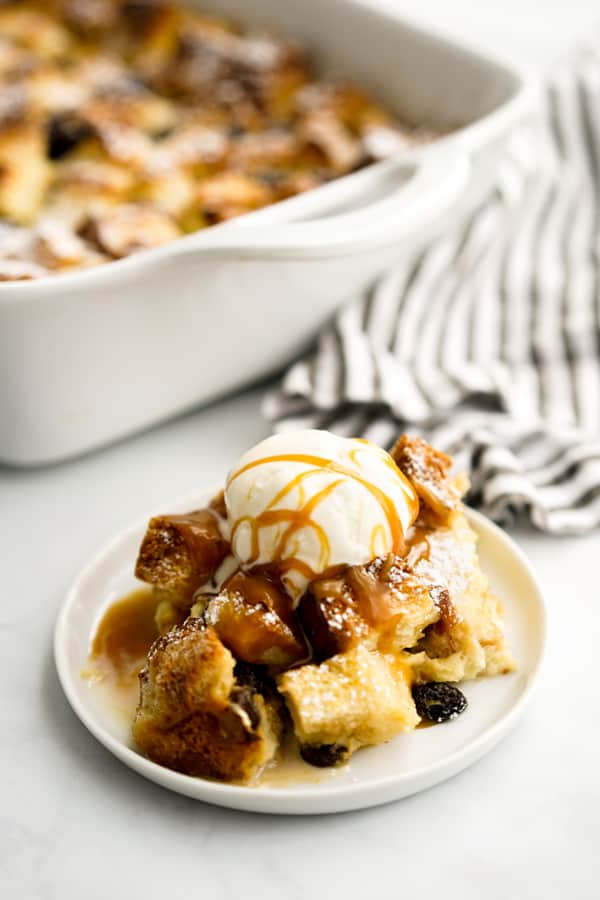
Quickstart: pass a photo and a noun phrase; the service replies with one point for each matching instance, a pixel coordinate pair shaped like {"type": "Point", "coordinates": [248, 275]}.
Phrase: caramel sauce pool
{"type": "Point", "coordinates": [124, 636]}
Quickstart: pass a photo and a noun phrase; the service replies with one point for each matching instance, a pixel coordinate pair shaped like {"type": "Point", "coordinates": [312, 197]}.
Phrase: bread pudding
{"type": "Point", "coordinates": [331, 596]}
{"type": "Point", "coordinates": [127, 123]}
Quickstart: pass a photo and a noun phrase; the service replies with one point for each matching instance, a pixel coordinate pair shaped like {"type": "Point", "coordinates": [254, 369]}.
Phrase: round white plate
{"type": "Point", "coordinates": [375, 775]}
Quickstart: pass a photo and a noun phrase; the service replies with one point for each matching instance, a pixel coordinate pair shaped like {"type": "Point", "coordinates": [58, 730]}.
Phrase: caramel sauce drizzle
{"type": "Point", "coordinates": [378, 531]}
{"type": "Point", "coordinates": [386, 459]}
{"type": "Point", "coordinates": [305, 514]}
{"type": "Point", "coordinates": [298, 519]}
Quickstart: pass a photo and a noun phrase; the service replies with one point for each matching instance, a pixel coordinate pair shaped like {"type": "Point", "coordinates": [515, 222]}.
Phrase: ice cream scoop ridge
{"type": "Point", "coordinates": [310, 501]}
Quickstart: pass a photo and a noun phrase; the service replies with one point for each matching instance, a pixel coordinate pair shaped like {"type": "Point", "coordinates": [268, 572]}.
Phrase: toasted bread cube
{"type": "Point", "coordinates": [35, 30]}
{"type": "Point", "coordinates": [83, 187]}
{"type": "Point", "coordinates": [229, 194]}
{"type": "Point", "coordinates": [384, 603]}
{"type": "Point", "coordinates": [116, 142]}
{"type": "Point", "coordinates": [24, 172]}
{"type": "Point", "coordinates": [171, 192]}
{"type": "Point", "coordinates": [167, 615]}
{"type": "Point", "coordinates": [50, 90]}
{"type": "Point", "coordinates": [181, 553]}
{"type": "Point", "coordinates": [195, 716]}
{"type": "Point", "coordinates": [253, 617]}
{"type": "Point", "coordinates": [152, 28]}
{"type": "Point", "coordinates": [347, 102]}
{"type": "Point", "coordinates": [340, 149]}
{"type": "Point", "coordinates": [428, 470]}
{"type": "Point", "coordinates": [127, 229]}
{"type": "Point", "coordinates": [94, 178]}
{"type": "Point", "coordinates": [353, 699]}
{"type": "Point", "coordinates": [278, 91]}
{"type": "Point", "coordinates": [213, 63]}
{"type": "Point", "coordinates": [469, 648]}
{"type": "Point", "coordinates": [468, 639]}
{"type": "Point", "coordinates": [90, 19]}
{"type": "Point", "coordinates": [20, 270]}
{"type": "Point", "coordinates": [265, 149]}
{"type": "Point", "coordinates": [194, 146]}
{"type": "Point", "coordinates": [330, 619]}
{"type": "Point", "coordinates": [132, 106]}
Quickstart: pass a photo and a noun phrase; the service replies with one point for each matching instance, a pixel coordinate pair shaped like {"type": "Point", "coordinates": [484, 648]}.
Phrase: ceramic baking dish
{"type": "Point", "coordinates": [91, 356]}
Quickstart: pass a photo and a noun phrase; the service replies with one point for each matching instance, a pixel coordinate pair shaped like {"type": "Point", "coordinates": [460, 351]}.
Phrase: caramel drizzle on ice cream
{"type": "Point", "coordinates": [301, 518]}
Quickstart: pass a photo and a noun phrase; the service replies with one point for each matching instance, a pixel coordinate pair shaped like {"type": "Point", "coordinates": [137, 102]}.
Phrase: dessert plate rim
{"type": "Point", "coordinates": [325, 796]}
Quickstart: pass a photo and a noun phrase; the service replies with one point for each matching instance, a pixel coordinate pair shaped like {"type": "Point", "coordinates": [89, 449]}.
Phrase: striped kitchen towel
{"type": "Point", "coordinates": [488, 343]}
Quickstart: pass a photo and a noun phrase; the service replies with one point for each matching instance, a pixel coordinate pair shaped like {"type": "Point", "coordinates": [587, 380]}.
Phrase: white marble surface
{"type": "Point", "coordinates": [74, 823]}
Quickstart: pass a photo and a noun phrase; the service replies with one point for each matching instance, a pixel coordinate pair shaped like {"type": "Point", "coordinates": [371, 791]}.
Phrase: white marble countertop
{"type": "Point", "coordinates": [75, 823]}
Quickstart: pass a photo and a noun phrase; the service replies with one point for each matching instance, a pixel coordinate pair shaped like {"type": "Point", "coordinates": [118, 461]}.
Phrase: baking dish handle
{"type": "Point", "coordinates": [409, 197]}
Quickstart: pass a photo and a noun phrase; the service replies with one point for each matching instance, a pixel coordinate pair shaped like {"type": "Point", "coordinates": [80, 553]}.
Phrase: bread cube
{"type": "Point", "coordinates": [253, 617]}
{"type": "Point", "coordinates": [384, 603]}
{"type": "Point", "coordinates": [353, 699]}
{"type": "Point", "coordinates": [196, 716]}
{"type": "Point", "coordinates": [180, 553]}
{"type": "Point", "coordinates": [24, 171]}
{"type": "Point", "coordinates": [127, 229]}
{"type": "Point", "coordinates": [428, 470]}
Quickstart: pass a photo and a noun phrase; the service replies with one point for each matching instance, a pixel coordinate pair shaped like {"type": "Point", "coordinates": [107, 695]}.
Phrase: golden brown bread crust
{"type": "Point", "coordinates": [132, 227]}
{"type": "Point", "coordinates": [384, 603]}
{"type": "Point", "coordinates": [194, 717]}
{"type": "Point", "coordinates": [330, 618]}
{"type": "Point", "coordinates": [179, 553]}
{"type": "Point", "coordinates": [24, 170]}
{"type": "Point", "coordinates": [253, 617]}
{"type": "Point", "coordinates": [429, 472]}
{"type": "Point", "coordinates": [89, 17]}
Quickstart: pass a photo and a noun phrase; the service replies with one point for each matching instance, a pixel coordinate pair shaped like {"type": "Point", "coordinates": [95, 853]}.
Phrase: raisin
{"type": "Point", "coordinates": [65, 132]}
{"type": "Point", "coordinates": [323, 755]}
{"type": "Point", "coordinates": [438, 701]}
{"type": "Point", "coordinates": [211, 216]}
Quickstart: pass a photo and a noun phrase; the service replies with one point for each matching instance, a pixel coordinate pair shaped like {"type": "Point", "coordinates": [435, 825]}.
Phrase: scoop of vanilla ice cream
{"type": "Point", "coordinates": [310, 500]}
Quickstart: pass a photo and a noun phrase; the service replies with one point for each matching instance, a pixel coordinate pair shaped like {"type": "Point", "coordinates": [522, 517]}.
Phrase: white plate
{"type": "Point", "coordinates": [407, 764]}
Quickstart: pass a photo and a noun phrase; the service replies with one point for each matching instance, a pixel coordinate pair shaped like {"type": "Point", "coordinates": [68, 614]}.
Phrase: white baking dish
{"type": "Point", "coordinates": [91, 356]}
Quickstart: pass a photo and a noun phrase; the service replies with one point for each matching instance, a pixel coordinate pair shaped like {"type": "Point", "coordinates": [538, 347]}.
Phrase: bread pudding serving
{"type": "Point", "coordinates": [127, 123]}
{"type": "Point", "coordinates": [331, 596]}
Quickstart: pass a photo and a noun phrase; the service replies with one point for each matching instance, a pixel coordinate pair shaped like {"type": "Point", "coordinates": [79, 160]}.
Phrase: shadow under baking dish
{"type": "Point", "coordinates": [375, 775]}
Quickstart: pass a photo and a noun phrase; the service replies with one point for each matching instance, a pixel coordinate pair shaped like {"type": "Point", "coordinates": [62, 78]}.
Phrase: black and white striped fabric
{"type": "Point", "coordinates": [488, 343]}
